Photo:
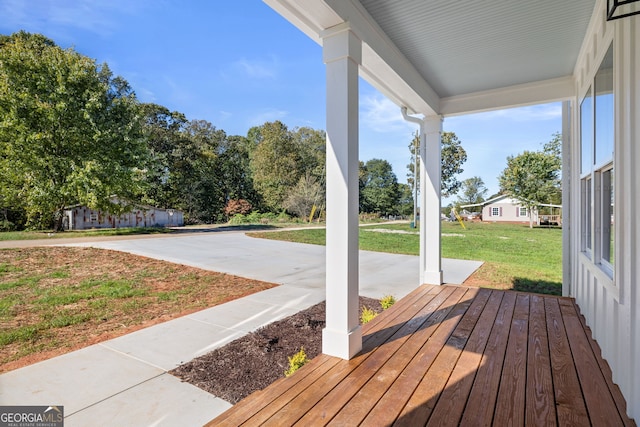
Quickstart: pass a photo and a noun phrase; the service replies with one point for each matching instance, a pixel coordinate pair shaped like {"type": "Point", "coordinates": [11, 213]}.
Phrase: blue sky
{"type": "Point", "coordinates": [239, 64]}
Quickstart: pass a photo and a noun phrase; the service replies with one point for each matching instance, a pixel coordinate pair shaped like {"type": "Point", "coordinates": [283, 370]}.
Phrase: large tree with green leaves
{"type": "Point", "coordinates": [164, 132]}
{"type": "Point", "coordinates": [275, 164]}
{"type": "Point", "coordinates": [280, 158]}
{"type": "Point", "coordinates": [532, 177]}
{"type": "Point", "coordinates": [379, 187]}
{"type": "Point", "coordinates": [69, 131]}
{"type": "Point", "coordinates": [453, 156]}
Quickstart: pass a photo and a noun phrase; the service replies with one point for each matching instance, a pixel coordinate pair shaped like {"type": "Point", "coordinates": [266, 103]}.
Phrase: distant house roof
{"type": "Point", "coordinates": [503, 197]}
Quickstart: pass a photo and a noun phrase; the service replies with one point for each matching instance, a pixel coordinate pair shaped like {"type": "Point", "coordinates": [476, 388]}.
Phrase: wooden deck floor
{"type": "Point", "coordinates": [447, 355]}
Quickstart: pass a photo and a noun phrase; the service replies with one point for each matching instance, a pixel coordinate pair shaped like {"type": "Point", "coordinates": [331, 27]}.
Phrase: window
{"type": "Point", "coordinates": [495, 211]}
{"type": "Point", "coordinates": [93, 217]}
{"type": "Point", "coordinates": [522, 211]}
{"type": "Point", "coordinates": [596, 167]}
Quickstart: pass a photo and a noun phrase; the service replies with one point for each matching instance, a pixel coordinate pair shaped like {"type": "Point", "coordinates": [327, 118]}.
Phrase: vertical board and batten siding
{"type": "Point", "coordinates": [611, 306]}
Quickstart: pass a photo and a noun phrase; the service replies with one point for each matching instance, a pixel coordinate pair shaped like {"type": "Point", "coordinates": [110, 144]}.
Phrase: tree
{"type": "Point", "coordinates": [554, 149]}
{"type": "Point", "coordinates": [236, 179]}
{"type": "Point", "coordinates": [281, 157]}
{"type": "Point", "coordinates": [473, 191]}
{"type": "Point", "coordinates": [531, 177]}
{"type": "Point", "coordinates": [304, 196]}
{"type": "Point", "coordinates": [379, 185]}
{"type": "Point", "coordinates": [453, 156]}
{"type": "Point", "coordinates": [405, 201]}
{"type": "Point", "coordinates": [164, 131]}
{"type": "Point", "coordinates": [70, 132]}
{"type": "Point", "coordinates": [275, 164]}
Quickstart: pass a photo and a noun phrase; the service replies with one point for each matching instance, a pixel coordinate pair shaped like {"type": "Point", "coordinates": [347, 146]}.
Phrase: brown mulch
{"type": "Point", "coordinates": [256, 360]}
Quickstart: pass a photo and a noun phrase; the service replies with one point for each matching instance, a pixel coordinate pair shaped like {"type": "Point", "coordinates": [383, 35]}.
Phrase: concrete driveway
{"type": "Point", "coordinates": [284, 263]}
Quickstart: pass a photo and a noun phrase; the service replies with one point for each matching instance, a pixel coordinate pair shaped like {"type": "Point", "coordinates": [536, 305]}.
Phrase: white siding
{"type": "Point", "coordinates": [509, 211]}
{"type": "Point", "coordinates": [610, 305]}
{"type": "Point", "coordinates": [83, 218]}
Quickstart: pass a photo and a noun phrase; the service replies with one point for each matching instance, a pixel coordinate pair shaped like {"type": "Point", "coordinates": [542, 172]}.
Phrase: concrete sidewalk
{"type": "Point", "coordinates": [124, 381]}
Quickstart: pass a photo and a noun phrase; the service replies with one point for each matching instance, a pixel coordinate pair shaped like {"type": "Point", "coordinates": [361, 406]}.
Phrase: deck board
{"type": "Point", "coordinates": [453, 355]}
{"type": "Point", "coordinates": [482, 398]}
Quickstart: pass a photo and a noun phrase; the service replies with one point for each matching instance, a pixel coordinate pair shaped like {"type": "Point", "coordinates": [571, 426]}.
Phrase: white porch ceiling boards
{"type": "Point", "coordinates": [454, 56]}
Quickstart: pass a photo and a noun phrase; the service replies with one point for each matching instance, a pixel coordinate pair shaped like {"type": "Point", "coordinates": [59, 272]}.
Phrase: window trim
{"type": "Point", "coordinates": [593, 228]}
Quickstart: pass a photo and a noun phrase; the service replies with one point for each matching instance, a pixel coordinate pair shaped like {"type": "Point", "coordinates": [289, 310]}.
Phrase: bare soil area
{"type": "Point", "coordinates": [54, 300]}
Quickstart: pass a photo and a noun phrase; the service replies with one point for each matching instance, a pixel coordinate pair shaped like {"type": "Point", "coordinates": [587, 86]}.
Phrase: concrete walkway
{"type": "Point", "coordinates": [124, 381]}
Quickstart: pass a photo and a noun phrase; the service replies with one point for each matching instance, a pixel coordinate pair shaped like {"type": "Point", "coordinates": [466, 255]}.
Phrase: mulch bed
{"type": "Point", "coordinates": [259, 358]}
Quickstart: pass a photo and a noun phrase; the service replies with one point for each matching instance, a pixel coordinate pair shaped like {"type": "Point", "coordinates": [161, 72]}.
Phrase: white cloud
{"type": "Point", "coordinates": [381, 115]}
{"type": "Point", "coordinates": [46, 15]}
{"type": "Point", "coordinates": [257, 69]}
{"type": "Point", "coordinates": [267, 116]}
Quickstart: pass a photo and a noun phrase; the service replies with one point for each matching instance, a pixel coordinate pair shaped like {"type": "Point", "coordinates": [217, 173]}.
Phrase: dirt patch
{"type": "Point", "coordinates": [256, 360]}
{"type": "Point", "coordinates": [54, 300]}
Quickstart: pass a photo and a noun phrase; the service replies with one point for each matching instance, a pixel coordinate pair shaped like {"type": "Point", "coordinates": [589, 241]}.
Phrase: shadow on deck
{"type": "Point", "coordinates": [449, 355]}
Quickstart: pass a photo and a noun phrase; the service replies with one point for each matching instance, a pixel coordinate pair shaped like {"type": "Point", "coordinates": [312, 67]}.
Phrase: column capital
{"type": "Point", "coordinates": [432, 124]}
{"type": "Point", "coordinates": [341, 42]}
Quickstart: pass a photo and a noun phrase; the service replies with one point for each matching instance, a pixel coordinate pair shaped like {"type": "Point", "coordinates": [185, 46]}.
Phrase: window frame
{"type": "Point", "coordinates": [597, 126]}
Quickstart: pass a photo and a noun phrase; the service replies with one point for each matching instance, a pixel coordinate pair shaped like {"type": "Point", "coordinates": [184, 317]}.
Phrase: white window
{"type": "Point", "coordinates": [597, 169]}
{"type": "Point", "coordinates": [495, 211]}
{"type": "Point", "coordinates": [522, 211]}
{"type": "Point", "coordinates": [93, 217]}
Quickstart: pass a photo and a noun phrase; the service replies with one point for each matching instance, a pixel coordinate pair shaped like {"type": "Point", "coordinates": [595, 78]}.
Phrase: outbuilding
{"type": "Point", "coordinates": [80, 217]}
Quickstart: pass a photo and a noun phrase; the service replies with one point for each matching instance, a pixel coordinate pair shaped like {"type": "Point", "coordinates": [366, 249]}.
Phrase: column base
{"type": "Point", "coordinates": [432, 278]}
{"type": "Point", "coordinates": [340, 344]}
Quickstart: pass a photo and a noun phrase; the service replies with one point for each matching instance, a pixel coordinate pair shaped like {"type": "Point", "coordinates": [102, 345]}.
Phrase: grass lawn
{"type": "Point", "coordinates": [515, 256]}
{"type": "Point", "coordinates": [57, 299]}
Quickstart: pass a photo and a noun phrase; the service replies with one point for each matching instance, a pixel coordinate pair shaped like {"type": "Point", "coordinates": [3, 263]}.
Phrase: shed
{"type": "Point", "coordinates": [80, 217]}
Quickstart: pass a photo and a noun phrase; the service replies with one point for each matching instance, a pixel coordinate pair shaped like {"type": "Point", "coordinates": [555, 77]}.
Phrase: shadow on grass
{"type": "Point", "coordinates": [524, 284]}
{"type": "Point", "coordinates": [216, 229]}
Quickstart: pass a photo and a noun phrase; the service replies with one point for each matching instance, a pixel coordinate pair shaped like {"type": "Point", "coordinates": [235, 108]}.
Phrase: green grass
{"type": "Point", "coordinates": [515, 256]}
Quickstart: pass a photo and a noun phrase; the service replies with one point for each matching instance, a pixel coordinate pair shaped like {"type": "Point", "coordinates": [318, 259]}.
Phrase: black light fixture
{"type": "Point", "coordinates": [617, 9]}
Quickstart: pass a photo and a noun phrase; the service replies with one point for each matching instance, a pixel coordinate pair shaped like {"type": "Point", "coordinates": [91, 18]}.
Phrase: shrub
{"type": "Point", "coordinates": [238, 219]}
{"type": "Point", "coordinates": [296, 362]}
{"type": "Point", "coordinates": [254, 217]}
{"type": "Point", "coordinates": [6, 225]}
{"type": "Point", "coordinates": [237, 206]}
{"type": "Point", "coordinates": [387, 301]}
{"type": "Point", "coordinates": [367, 315]}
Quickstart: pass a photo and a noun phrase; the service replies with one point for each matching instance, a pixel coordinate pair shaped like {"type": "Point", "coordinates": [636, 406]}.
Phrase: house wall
{"type": "Point", "coordinates": [611, 302]}
{"type": "Point", "coordinates": [82, 218]}
{"type": "Point", "coordinates": [509, 212]}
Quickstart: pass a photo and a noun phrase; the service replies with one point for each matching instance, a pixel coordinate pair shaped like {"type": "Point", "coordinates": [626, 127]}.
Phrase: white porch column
{"type": "Point", "coordinates": [430, 170]}
{"type": "Point", "coordinates": [342, 336]}
{"type": "Point", "coordinates": [566, 197]}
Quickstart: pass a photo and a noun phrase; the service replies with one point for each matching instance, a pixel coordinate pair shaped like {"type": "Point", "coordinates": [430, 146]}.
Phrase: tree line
{"type": "Point", "coordinates": [73, 133]}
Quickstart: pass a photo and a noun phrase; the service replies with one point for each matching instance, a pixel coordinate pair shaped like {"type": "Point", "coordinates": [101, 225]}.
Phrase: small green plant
{"type": "Point", "coordinates": [387, 301]}
{"type": "Point", "coordinates": [367, 315]}
{"type": "Point", "coordinates": [296, 362]}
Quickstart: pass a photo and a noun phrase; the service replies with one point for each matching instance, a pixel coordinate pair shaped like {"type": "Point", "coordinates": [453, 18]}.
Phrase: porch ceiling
{"type": "Point", "coordinates": [450, 57]}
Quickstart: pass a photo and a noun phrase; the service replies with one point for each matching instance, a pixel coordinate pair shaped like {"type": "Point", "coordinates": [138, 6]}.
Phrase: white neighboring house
{"type": "Point", "coordinates": [81, 217]}
{"type": "Point", "coordinates": [508, 209]}
{"type": "Point", "coordinates": [438, 59]}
